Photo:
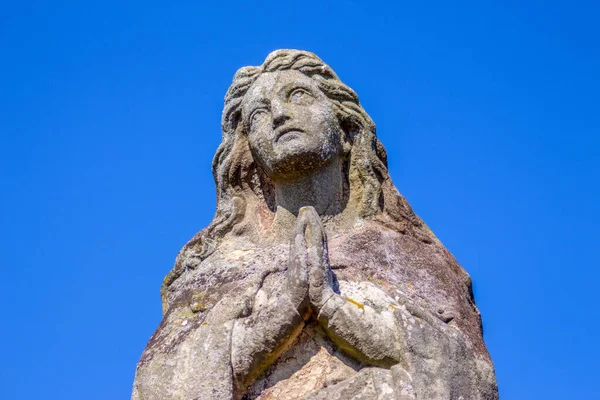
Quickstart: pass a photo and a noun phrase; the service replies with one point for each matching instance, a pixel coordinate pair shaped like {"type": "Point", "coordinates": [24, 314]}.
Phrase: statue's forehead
{"type": "Point", "coordinates": [269, 84]}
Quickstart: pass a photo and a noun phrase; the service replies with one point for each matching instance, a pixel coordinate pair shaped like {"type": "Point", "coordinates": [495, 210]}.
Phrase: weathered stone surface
{"type": "Point", "coordinates": [315, 280]}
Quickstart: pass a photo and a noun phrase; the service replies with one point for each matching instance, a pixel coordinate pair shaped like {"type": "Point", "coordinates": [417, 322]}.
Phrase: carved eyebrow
{"type": "Point", "coordinates": [290, 87]}
{"type": "Point", "coordinates": [259, 102]}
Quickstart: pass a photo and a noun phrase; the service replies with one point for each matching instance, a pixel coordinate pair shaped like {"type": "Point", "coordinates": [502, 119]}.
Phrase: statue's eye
{"type": "Point", "coordinates": [258, 116]}
{"type": "Point", "coordinates": [301, 96]}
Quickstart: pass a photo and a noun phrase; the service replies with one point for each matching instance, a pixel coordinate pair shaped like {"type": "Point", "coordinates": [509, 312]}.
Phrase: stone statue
{"type": "Point", "coordinates": [315, 279]}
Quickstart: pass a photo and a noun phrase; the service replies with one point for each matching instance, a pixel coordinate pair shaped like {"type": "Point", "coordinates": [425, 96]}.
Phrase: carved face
{"type": "Point", "coordinates": [291, 125]}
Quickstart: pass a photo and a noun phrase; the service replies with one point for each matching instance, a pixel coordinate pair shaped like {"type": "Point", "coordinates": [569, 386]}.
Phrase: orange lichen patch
{"type": "Point", "coordinates": [393, 307]}
{"type": "Point", "coordinates": [356, 303]}
{"type": "Point", "coordinates": [410, 287]}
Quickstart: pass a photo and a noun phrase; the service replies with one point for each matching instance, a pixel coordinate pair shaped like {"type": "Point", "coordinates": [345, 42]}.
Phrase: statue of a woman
{"type": "Point", "coordinates": [260, 306]}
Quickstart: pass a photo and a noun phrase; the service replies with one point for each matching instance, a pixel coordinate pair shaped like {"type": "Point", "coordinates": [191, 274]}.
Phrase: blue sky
{"type": "Point", "coordinates": [110, 116]}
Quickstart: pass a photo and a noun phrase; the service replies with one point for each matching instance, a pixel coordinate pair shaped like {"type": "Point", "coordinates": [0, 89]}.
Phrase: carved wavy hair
{"type": "Point", "coordinates": [243, 189]}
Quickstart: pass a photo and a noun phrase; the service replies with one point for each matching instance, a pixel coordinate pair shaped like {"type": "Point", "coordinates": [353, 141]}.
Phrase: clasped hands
{"type": "Point", "coordinates": [259, 338]}
{"type": "Point", "coordinates": [309, 280]}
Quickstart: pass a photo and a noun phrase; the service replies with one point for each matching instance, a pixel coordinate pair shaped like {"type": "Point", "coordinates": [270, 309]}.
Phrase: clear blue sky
{"type": "Point", "coordinates": [110, 116]}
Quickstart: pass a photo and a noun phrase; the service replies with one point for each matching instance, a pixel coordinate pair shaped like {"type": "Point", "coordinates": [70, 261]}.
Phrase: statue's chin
{"type": "Point", "coordinates": [290, 165]}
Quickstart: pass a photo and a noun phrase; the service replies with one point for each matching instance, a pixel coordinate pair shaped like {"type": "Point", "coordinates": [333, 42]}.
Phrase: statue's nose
{"type": "Point", "coordinates": [280, 112]}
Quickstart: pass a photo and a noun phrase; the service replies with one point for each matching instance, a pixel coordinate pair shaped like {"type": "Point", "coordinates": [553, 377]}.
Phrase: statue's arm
{"type": "Point", "coordinates": [361, 331]}
{"type": "Point", "coordinates": [276, 319]}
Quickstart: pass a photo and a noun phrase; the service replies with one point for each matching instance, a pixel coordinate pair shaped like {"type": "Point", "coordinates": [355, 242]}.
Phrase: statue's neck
{"type": "Point", "coordinates": [323, 189]}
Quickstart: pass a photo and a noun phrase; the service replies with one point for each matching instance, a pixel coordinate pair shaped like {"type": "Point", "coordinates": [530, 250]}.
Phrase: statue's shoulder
{"type": "Point", "coordinates": [201, 282]}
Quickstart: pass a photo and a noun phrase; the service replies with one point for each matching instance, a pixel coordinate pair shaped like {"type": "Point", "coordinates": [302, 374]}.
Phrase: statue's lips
{"type": "Point", "coordinates": [291, 132]}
